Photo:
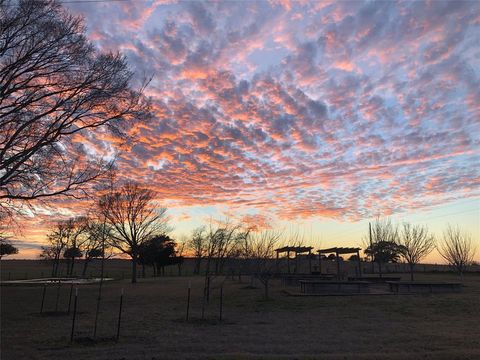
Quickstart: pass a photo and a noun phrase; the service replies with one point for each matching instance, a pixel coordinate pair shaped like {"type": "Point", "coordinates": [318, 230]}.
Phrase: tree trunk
{"type": "Point", "coordinates": [73, 264]}
{"type": "Point", "coordinates": [55, 267]}
{"type": "Point", "coordinates": [198, 262]}
{"type": "Point", "coordinates": [380, 268]}
{"type": "Point", "coordinates": [134, 269]}
{"type": "Point", "coordinates": [143, 270]}
{"type": "Point", "coordinates": [85, 264]}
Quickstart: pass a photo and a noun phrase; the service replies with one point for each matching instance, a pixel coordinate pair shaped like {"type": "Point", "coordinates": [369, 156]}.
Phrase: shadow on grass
{"type": "Point", "coordinates": [55, 313]}
{"type": "Point", "coordinates": [90, 341]}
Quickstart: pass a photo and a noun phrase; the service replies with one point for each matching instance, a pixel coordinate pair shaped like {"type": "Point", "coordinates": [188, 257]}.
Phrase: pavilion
{"type": "Point", "coordinates": [296, 250]}
{"type": "Point", "coordinates": [339, 251]}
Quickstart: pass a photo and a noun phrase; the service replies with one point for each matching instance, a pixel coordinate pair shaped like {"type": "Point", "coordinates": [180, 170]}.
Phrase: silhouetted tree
{"type": "Point", "coordinates": [415, 243]}
{"type": "Point", "coordinates": [158, 252]}
{"type": "Point", "coordinates": [383, 245]}
{"type": "Point", "coordinates": [353, 258]}
{"type": "Point", "coordinates": [258, 249]}
{"type": "Point", "coordinates": [54, 87]}
{"type": "Point", "coordinates": [332, 257]}
{"type": "Point", "coordinates": [59, 240]}
{"type": "Point", "coordinates": [78, 237]}
{"type": "Point", "coordinates": [134, 218]}
{"type": "Point", "coordinates": [221, 242]}
{"type": "Point", "coordinates": [95, 243]}
{"type": "Point", "coordinates": [384, 252]}
{"type": "Point", "coordinates": [7, 249]}
{"type": "Point", "coordinates": [457, 249]}
{"type": "Point", "coordinates": [71, 254]}
{"type": "Point", "coordinates": [197, 245]}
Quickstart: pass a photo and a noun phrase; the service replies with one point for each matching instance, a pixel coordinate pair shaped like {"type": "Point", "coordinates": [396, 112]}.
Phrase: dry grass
{"type": "Point", "coordinates": [360, 327]}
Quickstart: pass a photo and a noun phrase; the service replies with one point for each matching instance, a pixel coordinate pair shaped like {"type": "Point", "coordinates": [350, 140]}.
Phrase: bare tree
{"type": "Point", "coordinates": [222, 241]}
{"type": "Point", "coordinates": [134, 218]}
{"type": "Point", "coordinates": [457, 249]}
{"type": "Point", "coordinates": [258, 250]}
{"type": "Point", "coordinates": [197, 245]}
{"type": "Point", "coordinates": [55, 88]}
{"type": "Point", "coordinates": [95, 244]}
{"type": "Point", "coordinates": [76, 242]}
{"type": "Point", "coordinates": [415, 243]}
{"type": "Point", "coordinates": [59, 240]}
{"type": "Point", "coordinates": [383, 246]}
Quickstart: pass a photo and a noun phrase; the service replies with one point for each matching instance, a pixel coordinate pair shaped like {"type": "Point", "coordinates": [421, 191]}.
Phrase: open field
{"type": "Point", "coordinates": [443, 326]}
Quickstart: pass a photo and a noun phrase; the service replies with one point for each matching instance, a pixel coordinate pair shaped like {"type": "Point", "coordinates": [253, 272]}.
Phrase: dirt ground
{"type": "Point", "coordinates": [441, 326]}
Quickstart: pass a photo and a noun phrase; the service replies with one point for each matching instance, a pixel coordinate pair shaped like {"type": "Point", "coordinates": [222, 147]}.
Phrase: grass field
{"type": "Point", "coordinates": [442, 326]}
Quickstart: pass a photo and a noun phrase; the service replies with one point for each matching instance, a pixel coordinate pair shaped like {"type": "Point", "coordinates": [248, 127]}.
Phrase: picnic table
{"type": "Point", "coordinates": [294, 280]}
{"type": "Point", "coordinates": [334, 287]}
{"type": "Point", "coordinates": [416, 287]}
{"type": "Point", "coordinates": [374, 279]}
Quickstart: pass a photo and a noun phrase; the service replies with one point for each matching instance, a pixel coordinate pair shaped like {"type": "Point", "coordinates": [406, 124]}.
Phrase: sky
{"type": "Point", "coordinates": [311, 117]}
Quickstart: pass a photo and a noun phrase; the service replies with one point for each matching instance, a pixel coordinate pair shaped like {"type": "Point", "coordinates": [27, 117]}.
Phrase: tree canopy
{"type": "Point", "coordinates": [55, 90]}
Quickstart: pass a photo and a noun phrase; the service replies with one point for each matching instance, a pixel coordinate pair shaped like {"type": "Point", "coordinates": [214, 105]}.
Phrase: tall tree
{"type": "Point", "coordinates": [415, 243]}
{"type": "Point", "coordinates": [134, 218]}
{"type": "Point", "coordinates": [383, 246]}
{"type": "Point", "coordinates": [457, 249]}
{"type": "Point", "coordinates": [55, 89]}
{"type": "Point", "coordinates": [197, 245]}
{"type": "Point", "coordinates": [65, 239]}
{"type": "Point", "coordinates": [96, 241]}
{"type": "Point", "coordinates": [58, 241]}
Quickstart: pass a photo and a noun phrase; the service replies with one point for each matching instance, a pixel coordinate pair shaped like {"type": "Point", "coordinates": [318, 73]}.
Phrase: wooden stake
{"type": "Point", "coordinates": [221, 303]}
{"type": "Point", "coordinates": [74, 314]}
{"type": "Point", "coordinates": [119, 315]}
{"type": "Point", "coordinates": [188, 299]}
{"type": "Point", "coordinates": [70, 297]}
{"type": "Point", "coordinates": [58, 296]}
{"type": "Point", "coordinates": [43, 297]}
{"type": "Point", "coordinates": [203, 302]}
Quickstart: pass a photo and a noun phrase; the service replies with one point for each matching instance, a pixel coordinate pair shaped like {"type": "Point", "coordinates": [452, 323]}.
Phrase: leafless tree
{"type": "Point", "coordinates": [59, 239]}
{"type": "Point", "coordinates": [258, 250]}
{"type": "Point", "coordinates": [197, 245]}
{"type": "Point", "coordinates": [457, 249]}
{"type": "Point", "coordinates": [134, 217]}
{"type": "Point", "coordinates": [222, 241]}
{"type": "Point", "coordinates": [55, 89]}
{"type": "Point", "coordinates": [415, 243]}
{"type": "Point", "coordinates": [383, 246]}
{"type": "Point", "coordinates": [95, 244]}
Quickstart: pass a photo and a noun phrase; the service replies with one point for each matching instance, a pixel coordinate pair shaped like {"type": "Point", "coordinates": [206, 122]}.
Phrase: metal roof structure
{"type": "Point", "coordinates": [295, 249]}
{"type": "Point", "coordinates": [339, 250]}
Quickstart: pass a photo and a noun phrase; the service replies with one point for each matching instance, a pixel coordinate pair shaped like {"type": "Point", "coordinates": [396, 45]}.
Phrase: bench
{"type": "Point", "coordinates": [413, 287]}
{"type": "Point", "coordinates": [294, 280]}
{"type": "Point", "coordinates": [334, 287]}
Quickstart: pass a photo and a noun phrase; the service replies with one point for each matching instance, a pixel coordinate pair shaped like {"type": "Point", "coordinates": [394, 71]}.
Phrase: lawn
{"type": "Point", "coordinates": [441, 326]}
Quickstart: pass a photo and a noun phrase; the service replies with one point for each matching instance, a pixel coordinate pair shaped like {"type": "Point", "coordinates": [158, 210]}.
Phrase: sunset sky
{"type": "Point", "coordinates": [309, 116]}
